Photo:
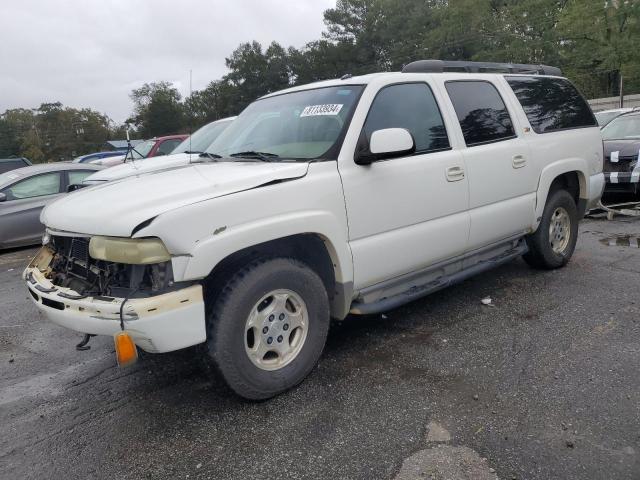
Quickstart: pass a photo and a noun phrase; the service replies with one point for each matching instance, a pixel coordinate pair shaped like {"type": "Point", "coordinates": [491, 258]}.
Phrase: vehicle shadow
{"type": "Point", "coordinates": [358, 343]}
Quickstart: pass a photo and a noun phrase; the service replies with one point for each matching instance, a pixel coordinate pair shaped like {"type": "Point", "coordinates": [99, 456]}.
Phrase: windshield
{"type": "Point", "coordinates": [623, 127]}
{"type": "Point", "coordinates": [298, 125]}
{"type": "Point", "coordinates": [142, 149]}
{"type": "Point", "coordinates": [202, 138]}
{"type": "Point", "coordinates": [7, 176]}
{"type": "Point", "coordinates": [605, 117]}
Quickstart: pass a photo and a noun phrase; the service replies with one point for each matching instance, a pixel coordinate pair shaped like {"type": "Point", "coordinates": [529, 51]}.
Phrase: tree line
{"type": "Point", "coordinates": [595, 42]}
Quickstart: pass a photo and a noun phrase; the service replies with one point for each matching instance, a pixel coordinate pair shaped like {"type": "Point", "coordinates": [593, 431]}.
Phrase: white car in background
{"type": "Point", "coordinates": [188, 151]}
{"type": "Point", "coordinates": [605, 116]}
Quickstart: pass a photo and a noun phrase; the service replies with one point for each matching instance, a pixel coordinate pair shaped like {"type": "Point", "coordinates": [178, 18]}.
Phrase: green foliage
{"type": "Point", "coordinates": [602, 37]}
{"type": "Point", "coordinates": [593, 41]}
{"type": "Point", "coordinates": [157, 109]}
{"type": "Point", "coordinates": [52, 132]}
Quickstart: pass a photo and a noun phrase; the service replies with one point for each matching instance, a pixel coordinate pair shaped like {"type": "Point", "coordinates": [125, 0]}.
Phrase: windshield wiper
{"type": "Point", "coordinates": [264, 156]}
{"type": "Point", "coordinates": [211, 156]}
{"type": "Point", "coordinates": [192, 152]}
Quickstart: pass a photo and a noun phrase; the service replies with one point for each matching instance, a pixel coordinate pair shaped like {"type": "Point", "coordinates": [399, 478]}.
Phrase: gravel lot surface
{"type": "Point", "coordinates": [543, 384]}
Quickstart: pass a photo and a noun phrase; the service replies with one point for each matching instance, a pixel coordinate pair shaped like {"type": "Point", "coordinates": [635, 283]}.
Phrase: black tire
{"type": "Point", "coordinates": [541, 254]}
{"type": "Point", "coordinates": [227, 321]}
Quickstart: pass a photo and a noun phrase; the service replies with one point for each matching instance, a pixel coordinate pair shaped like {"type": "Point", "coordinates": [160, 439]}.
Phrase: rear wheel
{"type": "Point", "coordinates": [552, 244]}
{"type": "Point", "coordinates": [268, 327]}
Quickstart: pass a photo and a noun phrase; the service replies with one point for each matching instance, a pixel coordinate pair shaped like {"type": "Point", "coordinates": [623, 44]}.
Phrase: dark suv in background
{"type": "Point", "coordinates": [7, 164]}
{"type": "Point", "coordinates": [621, 153]}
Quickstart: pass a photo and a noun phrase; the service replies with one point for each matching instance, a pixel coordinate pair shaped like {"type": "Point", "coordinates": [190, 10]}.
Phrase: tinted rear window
{"type": "Point", "coordinates": [481, 112]}
{"type": "Point", "coordinates": [551, 103]}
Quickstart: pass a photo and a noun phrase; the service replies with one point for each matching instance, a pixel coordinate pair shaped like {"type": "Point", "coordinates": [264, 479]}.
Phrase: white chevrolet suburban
{"type": "Point", "coordinates": [345, 196]}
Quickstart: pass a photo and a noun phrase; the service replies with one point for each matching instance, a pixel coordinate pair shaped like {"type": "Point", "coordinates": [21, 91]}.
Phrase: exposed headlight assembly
{"type": "Point", "coordinates": [136, 251]}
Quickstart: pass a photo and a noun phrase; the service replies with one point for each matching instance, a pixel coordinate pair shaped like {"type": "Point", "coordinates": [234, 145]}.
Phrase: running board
{"type": "Point", "coordinates": [416, 292]}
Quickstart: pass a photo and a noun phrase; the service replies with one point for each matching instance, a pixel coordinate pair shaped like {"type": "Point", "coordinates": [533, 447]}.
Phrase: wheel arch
{"type": "Point", "coordinates": [313, 249]}
{"type": "Point", "coordinates": [568, 174]}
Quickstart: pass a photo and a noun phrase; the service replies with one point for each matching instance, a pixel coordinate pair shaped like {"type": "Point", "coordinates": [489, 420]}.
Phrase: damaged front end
{"type": "Point", "coordinates": [73, 285]}
{"type": "Point", "coordinates": [73, 267]}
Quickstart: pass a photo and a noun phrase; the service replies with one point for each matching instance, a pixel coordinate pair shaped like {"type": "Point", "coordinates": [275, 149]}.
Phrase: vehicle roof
{"type": "Point", "coordinates": [123, 143]}
{"type": "Point", "coordinates": [630, 113]}
{"type": "Point", "coordinates": [220, 120]}
{"type": "Point", "coordinates": [616, 110]}
{"type": "Point", "coordinates": [181, 136]}
{"type": "Point", "coordinates": [356, 80]}
{"type": "Point", "coordinates": [13, 159]}
{"type": "Point", "coordinates": [25, 172]}
{"type": "Point", "coordinates": [226, 119]}
{"type": "Point", "coordinates": [370, 77]}
{"type": "Point", "coordinates": [101, 152]}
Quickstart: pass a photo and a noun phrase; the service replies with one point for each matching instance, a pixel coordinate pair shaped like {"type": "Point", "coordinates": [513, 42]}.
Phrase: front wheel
{"type": "Point", "coordinates": [268, 327]}
{"type": "Point", "coordinates": [552, 244]}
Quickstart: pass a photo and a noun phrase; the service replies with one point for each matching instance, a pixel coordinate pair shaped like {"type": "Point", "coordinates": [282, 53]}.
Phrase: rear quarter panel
{"type": "Point", "coordinates": [555, 153]}
{"type": "Point", "coordinates": [558, 152]}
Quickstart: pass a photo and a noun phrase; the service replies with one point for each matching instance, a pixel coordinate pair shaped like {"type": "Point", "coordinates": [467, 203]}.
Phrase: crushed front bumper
{"type": "Point", "coordinates": [157, 324]}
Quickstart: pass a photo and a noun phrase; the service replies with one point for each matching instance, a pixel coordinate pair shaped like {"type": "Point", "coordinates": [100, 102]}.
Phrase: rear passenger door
{"type": "Point", "coordinates": [502, 182]}
{"type": "Point", "coordinates": [409, 212]}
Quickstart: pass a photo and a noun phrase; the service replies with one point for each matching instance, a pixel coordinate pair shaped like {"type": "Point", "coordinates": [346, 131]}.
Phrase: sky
{"type": "Point", "coordinates": [92, 53]}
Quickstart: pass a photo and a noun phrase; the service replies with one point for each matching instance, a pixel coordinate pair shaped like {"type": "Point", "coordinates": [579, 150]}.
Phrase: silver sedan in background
{"type": "Point", "coordinates": [24, 192]}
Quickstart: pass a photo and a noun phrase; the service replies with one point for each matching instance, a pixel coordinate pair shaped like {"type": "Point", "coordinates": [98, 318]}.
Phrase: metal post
{"type": "Point", "coordinates": [621, 93]}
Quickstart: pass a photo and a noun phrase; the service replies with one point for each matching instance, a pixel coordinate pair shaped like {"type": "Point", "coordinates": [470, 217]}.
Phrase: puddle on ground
{"type": "Point", "coordinates": [621, 241]}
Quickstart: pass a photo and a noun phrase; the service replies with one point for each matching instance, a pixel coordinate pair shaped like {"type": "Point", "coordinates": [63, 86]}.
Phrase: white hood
{"type": "Point", "coordinates": [116, 208]}
{"type": "Point", "coordinates": [138, 167]}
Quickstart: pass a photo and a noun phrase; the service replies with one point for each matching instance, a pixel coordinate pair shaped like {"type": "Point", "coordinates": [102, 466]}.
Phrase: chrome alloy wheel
{"type": "Point", "coordinates": [559, 230]}
{"type": "Point", "coordinates": [276, 329]}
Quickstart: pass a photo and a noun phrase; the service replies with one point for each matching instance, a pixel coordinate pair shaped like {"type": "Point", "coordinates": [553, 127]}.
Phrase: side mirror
{"type": "Point", "coordinates": [3, 197]}
{"type": "Point", "coordinates": [74, 186]}
{"type": "Point", "coordinates": [386, 143]}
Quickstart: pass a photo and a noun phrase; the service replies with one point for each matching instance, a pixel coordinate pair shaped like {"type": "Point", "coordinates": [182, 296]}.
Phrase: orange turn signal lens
{"type": "Point", "coordinates": [126, 351]}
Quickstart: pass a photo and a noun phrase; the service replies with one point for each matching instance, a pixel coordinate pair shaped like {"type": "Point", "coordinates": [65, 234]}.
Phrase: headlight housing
{"type": "Point", "coordinates": [136, 251]}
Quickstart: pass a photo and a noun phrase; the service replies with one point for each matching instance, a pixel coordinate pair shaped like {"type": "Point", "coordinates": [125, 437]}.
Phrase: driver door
{"type": "Point", "coordinates": [409, 212]}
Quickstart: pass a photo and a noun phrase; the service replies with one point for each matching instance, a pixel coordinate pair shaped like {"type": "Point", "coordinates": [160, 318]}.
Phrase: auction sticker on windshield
{"type": "Point", "coordinates": [328, 109]}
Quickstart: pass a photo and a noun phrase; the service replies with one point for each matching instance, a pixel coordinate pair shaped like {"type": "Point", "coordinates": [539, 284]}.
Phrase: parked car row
{"type": "Point", "coordinates": [182, 154]}
{"type": "Point", "coordinates": [25, 190]}
{"type": "Point", "coordinates": [149, 148]}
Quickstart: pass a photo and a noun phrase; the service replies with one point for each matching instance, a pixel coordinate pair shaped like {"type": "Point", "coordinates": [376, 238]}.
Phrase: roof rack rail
{"type": "Point", "coordinates": [439, 66]}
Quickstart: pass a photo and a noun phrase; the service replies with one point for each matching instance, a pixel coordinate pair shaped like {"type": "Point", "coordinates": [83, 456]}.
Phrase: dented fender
{"type": "Point", "coordinates": [212, 230]}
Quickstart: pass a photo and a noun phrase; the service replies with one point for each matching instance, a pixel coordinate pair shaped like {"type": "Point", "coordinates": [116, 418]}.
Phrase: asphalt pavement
{"type": "Point", "coordinates": [541, 384]}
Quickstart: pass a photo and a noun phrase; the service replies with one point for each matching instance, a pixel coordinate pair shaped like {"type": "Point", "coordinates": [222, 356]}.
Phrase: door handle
{"type": "Point", "coordinates": [455, 174]}
{"type": "Point", "coordinates": [518, 161]}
